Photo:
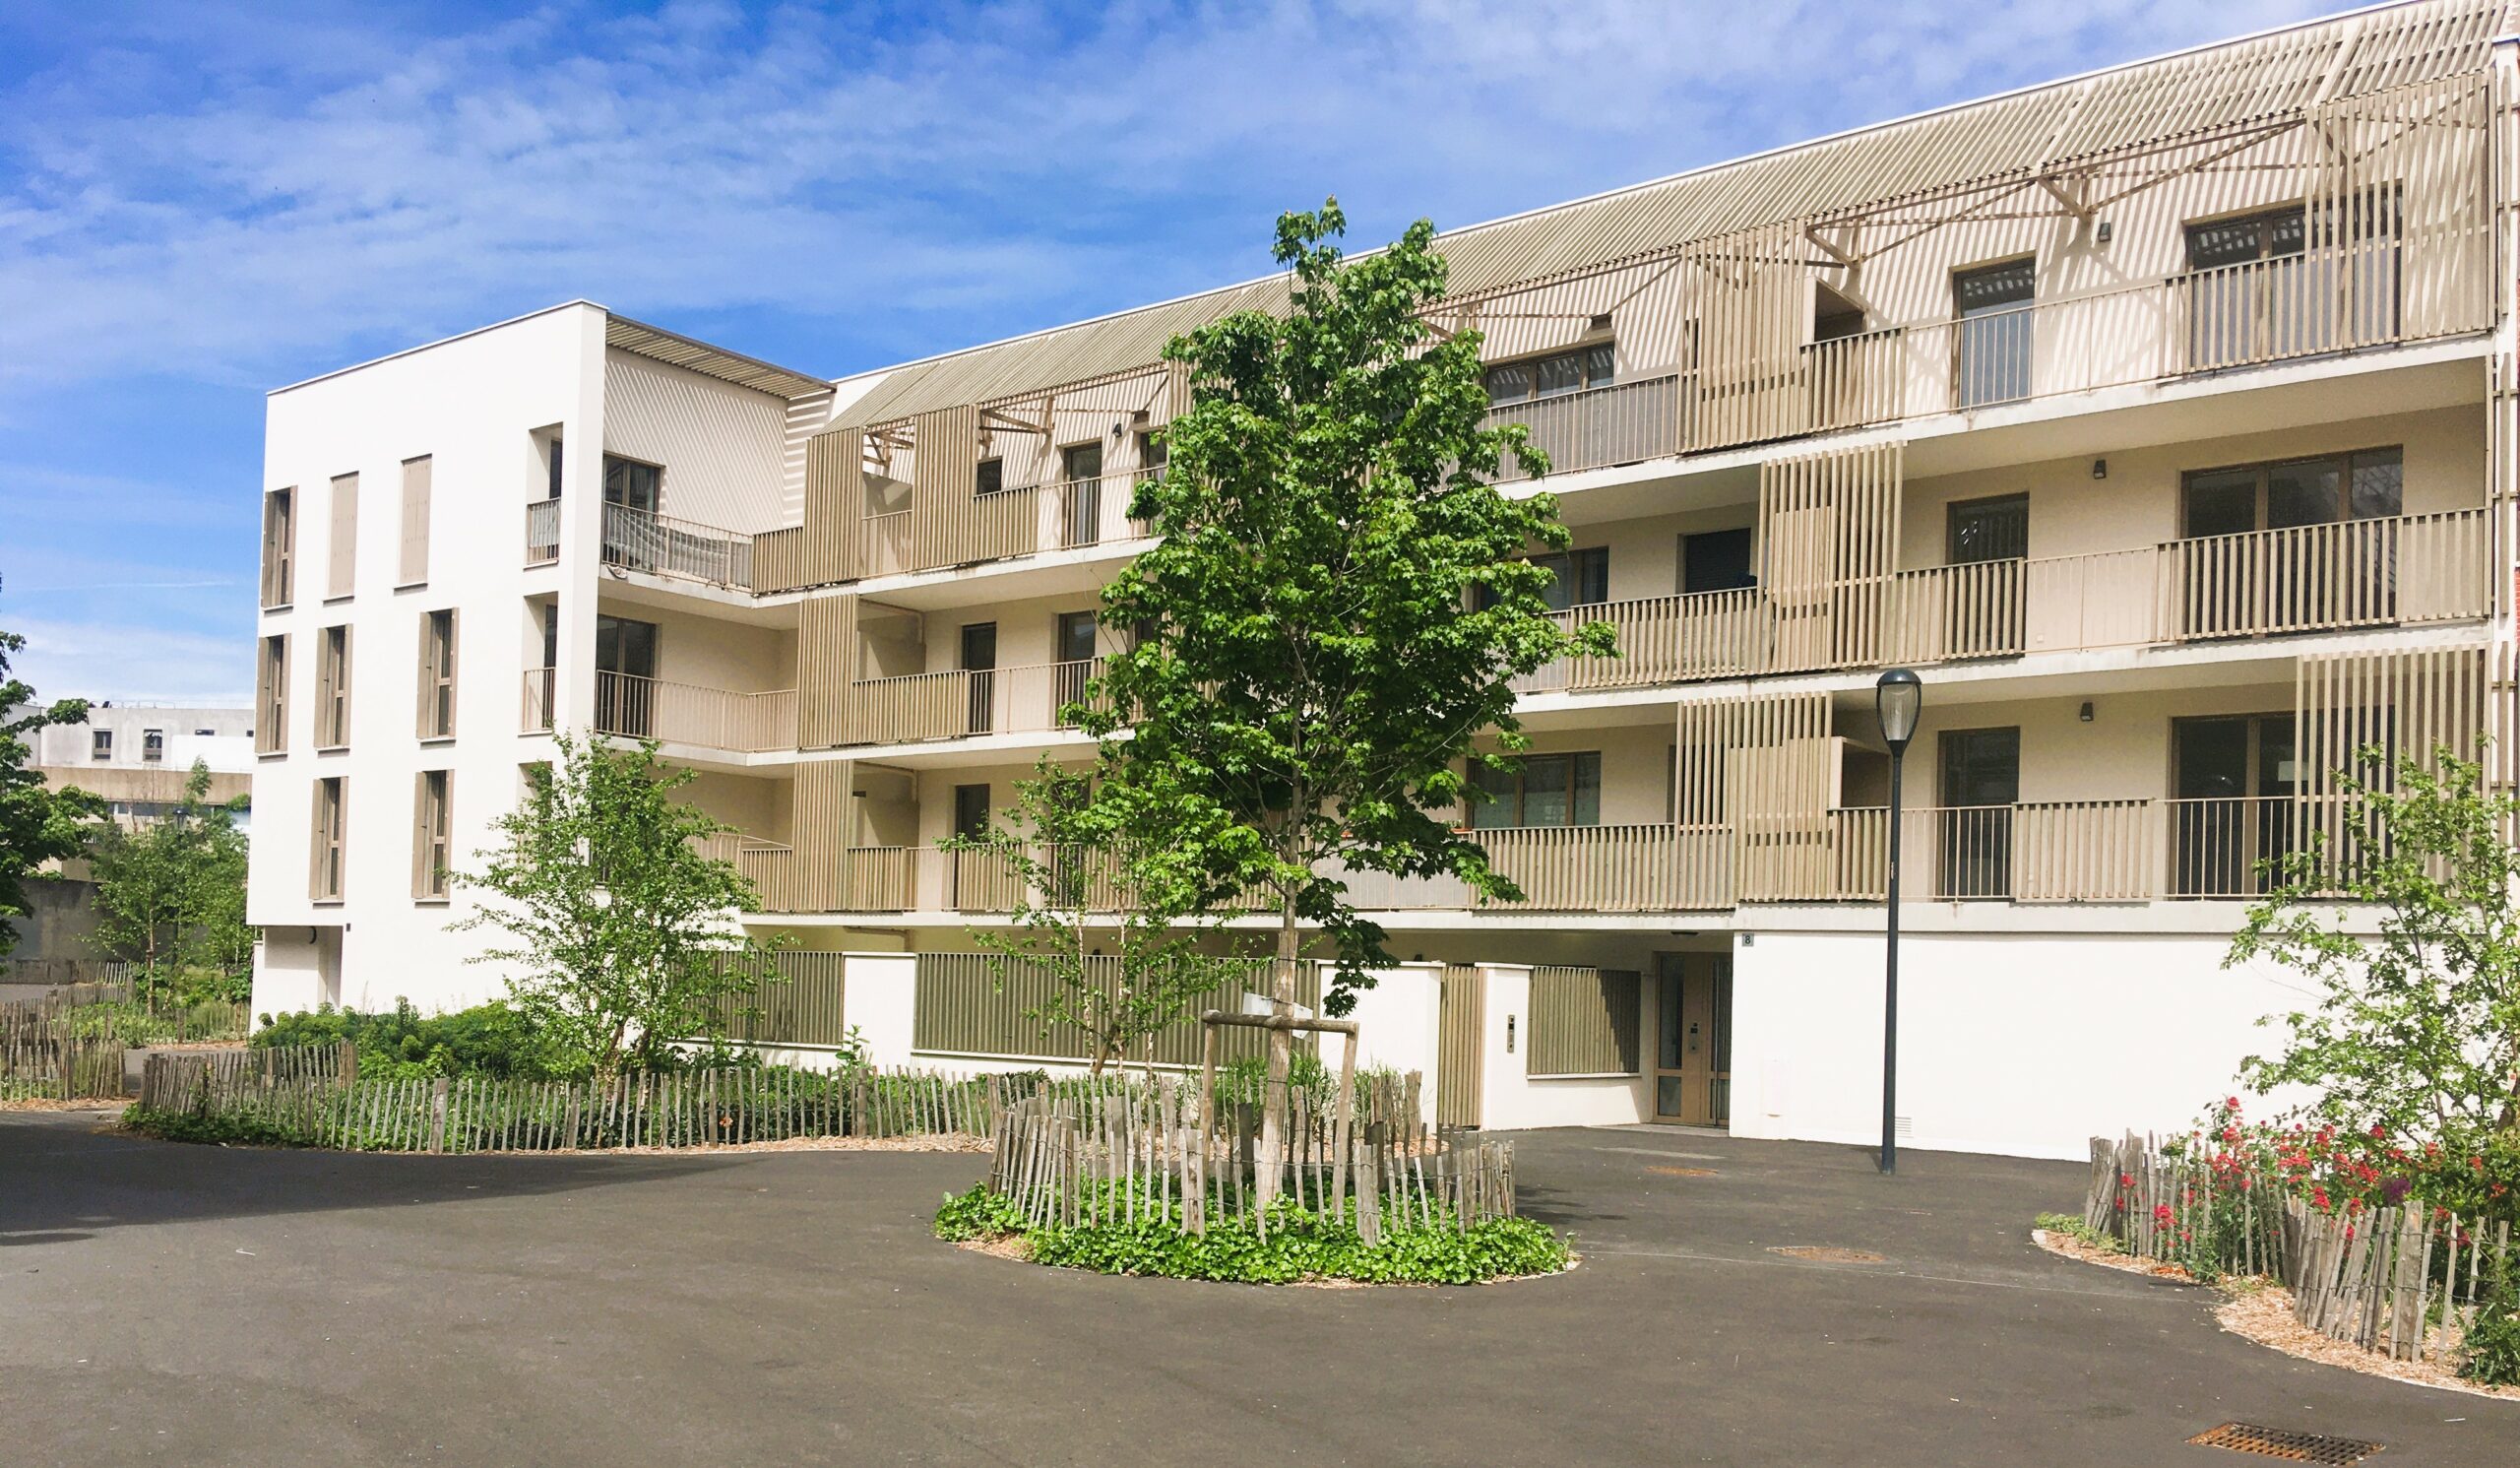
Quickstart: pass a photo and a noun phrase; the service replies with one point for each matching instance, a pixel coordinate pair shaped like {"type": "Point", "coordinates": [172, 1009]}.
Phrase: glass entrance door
{"type": "Point", "coordinates": [1693, 1039]}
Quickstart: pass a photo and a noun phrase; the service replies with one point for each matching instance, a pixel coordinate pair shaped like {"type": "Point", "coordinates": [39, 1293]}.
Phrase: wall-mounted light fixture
{"type": "Point", "coordinates": [2099, 468]}
{"type": "Point", "coordinates": [2086, 711]}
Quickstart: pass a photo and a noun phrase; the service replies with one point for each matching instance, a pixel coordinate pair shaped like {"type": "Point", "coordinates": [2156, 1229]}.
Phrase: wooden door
{"type": "Point", "coordinates": [1693, 1039]}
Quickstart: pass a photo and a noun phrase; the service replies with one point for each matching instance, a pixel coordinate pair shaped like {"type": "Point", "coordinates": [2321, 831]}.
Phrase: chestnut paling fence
{"type": "Point", "coordinates": [2400, 1281]}
{"type": "Point", "coordinates": [72, 1044]}
{"type": "Point", "coordinates": [1136, 1151]}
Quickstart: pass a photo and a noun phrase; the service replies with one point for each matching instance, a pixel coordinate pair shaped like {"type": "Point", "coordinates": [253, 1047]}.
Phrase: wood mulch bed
{"type": "Point", "coordinates": [37, 1104]}
{"type": "Point", "coordinates": [2262, 1311]}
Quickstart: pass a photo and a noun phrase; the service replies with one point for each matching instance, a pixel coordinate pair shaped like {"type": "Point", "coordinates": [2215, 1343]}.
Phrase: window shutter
{"type": "Point", "coordinates": [318, 840]}
{"type": "Point", "coordinates": [454, 621]}
{"type": "Point", "coordinates": [342, 574]}
{"type": "Point", "coordinates": [279, 545]}
{"type": "Point", "coordinates": [416, 474]}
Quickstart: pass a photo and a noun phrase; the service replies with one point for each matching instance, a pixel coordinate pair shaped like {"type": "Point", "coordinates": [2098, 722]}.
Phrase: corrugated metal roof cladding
{"type": "Point", "coordinates": [2232, 85]}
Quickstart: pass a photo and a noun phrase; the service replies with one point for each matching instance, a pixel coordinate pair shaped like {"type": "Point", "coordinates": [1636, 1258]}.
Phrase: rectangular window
{"type": "Point", "coordinates": [437, 674]}
{"type": "Point", "coordinates": [341, 569]}
{"type": "Point", "coordinates": [432, 819]}
{"type": "Point", "coordinates": [152, 744]}
{"type": "Point", "coordinates": [1074, 637]}
{"type": "Point", "coordinates": [100, 743]}
{"type": "Point", "coordinates": [990, 479]}
{"type": "Point", "coordinates": [1554, 376]}
{"type": "Point", "coordinates": [2366, 485]}
{"type": "Point", "coordinates": [1577, 578]}
{"type": "Point", "coordinates": [553, 460]}
{"type": "Point", "coordinates": [414, 568]}
{"type": "Point", "coordinates": [333, 688]}
{"type": "Point", "coordinates": [324, 859]}
{"type": "Point", "coordinates": [1716, 560]}
{"type": "Point", "coordinates": [1992, 309]}
{"type": "Point", "coordinates": [631, 484]}
{"type": "Point", "coordinates": [271, 696]}
{"type": "Point", "coordinates": [1152, 453]}
{"type": "Point", "coordinates": [1079, 462]}
{"type": "Point", "coordinates": [971, 811]}
{"type": "Point", "coordinates": [625, 677]}
{"type": "Point", "coordinates": [1549, 789]}
{"type": "Point", "coordinates": [280, 546]}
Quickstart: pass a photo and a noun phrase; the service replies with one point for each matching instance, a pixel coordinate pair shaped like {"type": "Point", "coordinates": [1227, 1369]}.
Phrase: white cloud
{"type": "Point", "coordinates": [252, 199]}
{"type": "Point", "coordinates": [134, 663]}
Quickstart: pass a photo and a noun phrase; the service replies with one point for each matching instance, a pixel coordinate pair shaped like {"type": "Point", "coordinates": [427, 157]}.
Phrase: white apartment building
{"type": "Point", "coordinates": [138, 756]}
{"type": "Point", "coordinates": [2160, 419]}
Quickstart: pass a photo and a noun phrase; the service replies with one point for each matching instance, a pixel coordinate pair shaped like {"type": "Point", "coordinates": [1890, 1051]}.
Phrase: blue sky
{"type": "Point", "coordinates": [201, 202]}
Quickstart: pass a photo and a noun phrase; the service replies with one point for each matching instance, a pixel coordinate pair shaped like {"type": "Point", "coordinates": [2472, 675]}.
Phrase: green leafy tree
{"type": "Point", "coordinates": [1070, 863]}
{"type": "Point", "coordinates": [620, 928]}
{"type": "Point", "coordinates": [38, 823]}
{"type": "Point", "coordinates": [1335, 612]}
{"type": "Point", "coordinates": [2418, 1028]}
{"type": "Point", "coordinates": [171, 896]}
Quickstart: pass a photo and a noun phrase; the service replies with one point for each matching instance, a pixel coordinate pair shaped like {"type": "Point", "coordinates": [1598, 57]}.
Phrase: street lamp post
{"type": "Point", "coordinates": [1897, 697]}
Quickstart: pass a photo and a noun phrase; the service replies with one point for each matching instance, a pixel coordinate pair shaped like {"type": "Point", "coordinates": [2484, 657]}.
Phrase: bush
{"type": "Point", "coordinates": [221, 1130]}
{"type": "Point", "coordinates": [1300, 1244]}
{"type": "Point", "coordinates": [2490, 1353]}
{"type": "Point", "coordinates": [491, 1040]}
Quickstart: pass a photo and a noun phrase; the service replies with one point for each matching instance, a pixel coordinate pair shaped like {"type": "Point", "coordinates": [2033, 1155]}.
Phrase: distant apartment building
{"type": "Point", "coordinates": [137, 756]}
{"type": "Point", "coordinates": [2160, 419]}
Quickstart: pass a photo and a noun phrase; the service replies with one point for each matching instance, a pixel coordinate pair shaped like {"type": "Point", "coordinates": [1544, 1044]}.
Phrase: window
{"type": "Point", "coordinates": [100, 743]}
{"type": "Point", "coordinates": [280, 546]}
{"type": "Point", "coordinates": [2267, 235]}
{"type": "Point", "coordinates": [1992, 306]}
{"type": "Point", "coordinates": [152, 744]}
{"type": "Point", "coordinates": [333, 688]}
{"type": "Point", "coordinates": [1716, 560]}
{"type": "Point", "coordinates": [2367, 485]}
{"type": "Point", "coordinates": [625, 663]}
{"type": "Point", "coordinates": [631, 484]}
{"type": "Point", "coordinates": [1552, 376]}
{"type": "Point", "coordinates": [1079, 462]}
{"type": "Point", "coordinates": [1972, 832]}
{"type": "Point", "coordinates": [1989, 530]}
{"type": "Point", "coordinates": [990, 479]}
{"type": "Point", "coordinates": [971, 811]}
{"type": "Point", "coordinates": [551, 459]}
{"type": "Point", "coordinates": [415, 565]}
{"type": "Point", "coordinates": [341, 570]}
{"type": "Point", "coordinates": [1152, 453]}
{"type": "Point", "coordinates": [2233, 780]}
{"type": "Point", "coordinates": [432, 818]}
{"type": "Point", "coordinates": [324, 861]}
{"type": "Point", "coordinates": [1074, 637]}
{"type": "Point", "coordinates": [1079, 494]}
{"type": "Point", "coordinates": [437, 676]}
{"type": "Point", "coordinates": [1577, 578]}
{"type": "Point", "coordinates": [1549, 789]}
{"type": "Point", "coordinates": [271, 696]}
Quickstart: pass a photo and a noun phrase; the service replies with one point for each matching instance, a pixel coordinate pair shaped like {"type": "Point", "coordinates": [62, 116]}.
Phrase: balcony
{"type": "Point", "coordinates": [961, 704]}
{"type": "Point", "coordinates": [687, 714]}
{"type": "Point", "coordinates": [542, 688]}
{"type": "Point", "coordinates": [541, 532]}
{"type": "Point", "coordinates": [663, 546]}
{"type": "Point", "coordinates": [2395, 571]}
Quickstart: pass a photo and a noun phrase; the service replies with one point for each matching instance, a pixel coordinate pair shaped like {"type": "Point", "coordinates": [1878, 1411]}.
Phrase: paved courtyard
{"type": "Point", "coordinates": [163, 1303]}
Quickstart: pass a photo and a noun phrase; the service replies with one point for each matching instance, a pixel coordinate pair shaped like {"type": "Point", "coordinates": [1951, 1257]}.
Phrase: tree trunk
{"type": "Point", "coordinates": [1281, 1053]}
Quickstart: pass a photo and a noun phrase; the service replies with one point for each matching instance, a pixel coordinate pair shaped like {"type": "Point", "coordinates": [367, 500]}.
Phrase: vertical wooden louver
{"type": "Point", "coordinates": [341, 569]}
{"type": "Point", "coordinates": [826, 670]}
{"type": "Point", "coordinates": [834, 507]}
{"type": "Point", "coordinates": [1828, 547]}
{"type": "Point", "coordinates": [1754, 312]}
{"type": "Point", "coordinates": [280, 548]}
{"type": "Point", "coordinates": [2410, 703]}
{"type": "Point", "coordinates": [2400, 211]}
{"type": "Point", "coordinates": [412, 568]}
{"type": "Point", "coordinates": [1753, 782]}
{"type": "Point", "coordinates": [822, 830]}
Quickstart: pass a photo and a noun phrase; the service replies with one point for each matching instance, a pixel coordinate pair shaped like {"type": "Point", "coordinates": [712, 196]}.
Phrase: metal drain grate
{"type": "Point", "coordinates": [2285, 1443]}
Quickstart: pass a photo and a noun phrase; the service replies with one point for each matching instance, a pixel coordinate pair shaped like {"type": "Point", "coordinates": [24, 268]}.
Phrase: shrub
{"type": "Point", "coordinates": [492, 1040]}
{"type": "Point", "coordinates": [2490, 1353]}
{"type": "Point", "coordinates": [1301, 1243]}
{"type": "Point", "coordinates": [224, 1129]}
{"type": "Point", "coordinates": [2071, 1225]}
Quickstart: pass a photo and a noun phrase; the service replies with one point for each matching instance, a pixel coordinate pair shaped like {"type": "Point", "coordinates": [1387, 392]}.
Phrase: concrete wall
{"type": "Point", "coordinates": [2021, 1043]}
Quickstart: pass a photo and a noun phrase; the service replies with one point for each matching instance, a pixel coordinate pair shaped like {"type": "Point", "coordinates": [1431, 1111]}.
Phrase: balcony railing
{"type": "Point", "coordinates": [1597, 428]}
{"type": "Point", "coordinates": [687, 714]}
{"type": "Point", "coordinates": [960, 704]}
{"type": "Point", "coordinates": [663, 546]}
{"type": "Point", "coordinates": [2401, 570]}
{"type": "Point", "coordinates": [542, 691]}
{"type": "Point", "coordinates": [541, 532]}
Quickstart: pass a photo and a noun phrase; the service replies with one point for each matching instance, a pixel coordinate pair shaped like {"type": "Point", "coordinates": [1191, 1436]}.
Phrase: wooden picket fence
{"type": "Point", "coordinates": [110, 1012]}
{"type": "Point", "coordinates": [314, 1096]}
{"type": "Point", "coordinates": [1134, 1150]}
{"type": "Point", "coordinates": [51, 1070]}
{"type": "Point", "coordinates": [2402, 1282]}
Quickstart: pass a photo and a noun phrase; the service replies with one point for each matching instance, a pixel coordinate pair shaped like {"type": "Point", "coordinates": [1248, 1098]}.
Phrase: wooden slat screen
{"type": "Point", "coordinates": [341, 569]}
{"type": "Point", "coordinates": [280, 548]}
{"type": "Point", "coordinates": [1584, 1021]}
{"type": "Point", "coordinates": [1461, 1049]}
{"type": "Point", "coordinates": [824, 822]}
{"type": "Point", "coordinates": [2409, 702]}
{"type": "Point", "coordinates": [807, 1006]}
{"type": "Point", "coordinates": [1827, 546]}
{"type": "Point", "coordinates": [271, 696]}
{"type": "Point", "coordinates": [826, 670]}
{"type": "Point", "coordinates": [1752, 783]}
{"type": "Point", "coordinates": [962, 1009]}
{"type": "Point", "coordinates": [414, 568]}
{"type": "Point", "coordinates": [1754, 306]}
